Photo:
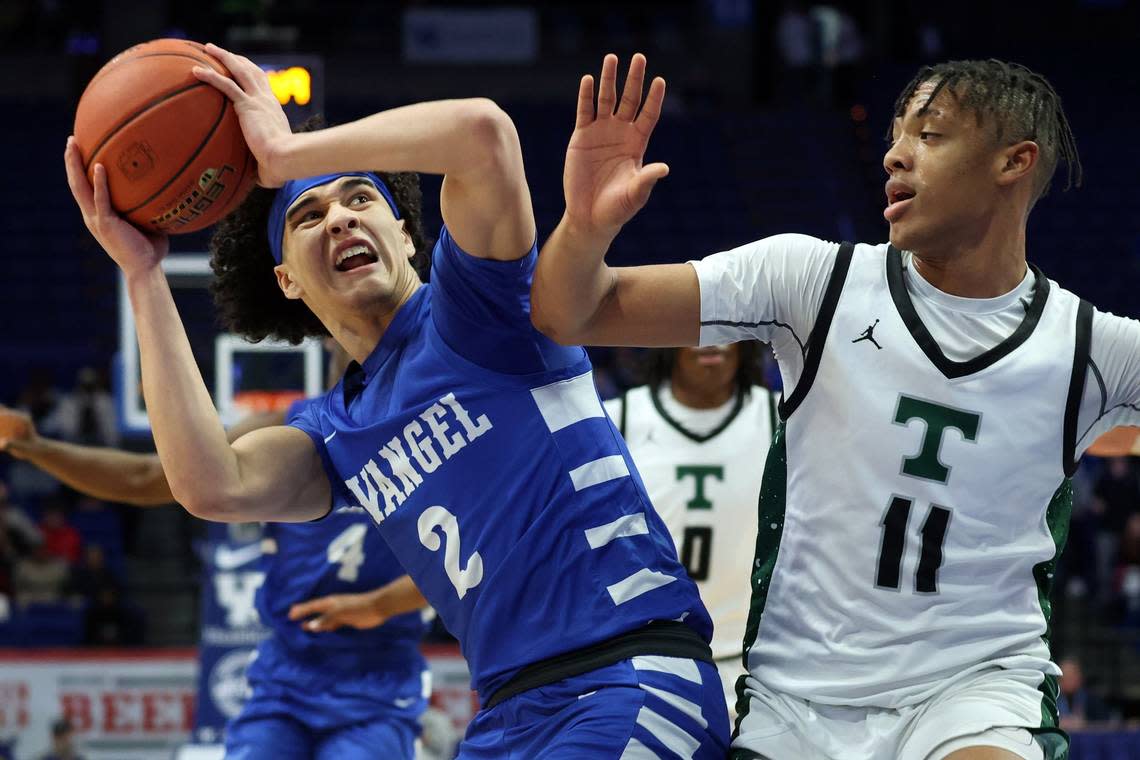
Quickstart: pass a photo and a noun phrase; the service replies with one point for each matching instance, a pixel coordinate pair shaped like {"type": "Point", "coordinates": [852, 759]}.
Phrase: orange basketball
{"type": "Point", "coordinates": [175, 157]}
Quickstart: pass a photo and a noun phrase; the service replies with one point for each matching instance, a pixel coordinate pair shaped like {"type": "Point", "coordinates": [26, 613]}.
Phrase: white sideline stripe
{"type": "Point", "coordinates": [635, 750]}
{"type": "Point", "coordinates": [692, 709]}
{"type": "Point", "coordinates": [668, 734]}
{"type": "Point", "coordinates": [599, 471]}
{"type": "Point", "coordinates": [637, 584]}
{"type": "Point", "coordinates": [623, 527]}
{"type": "Point", "coordinates": [568, 401]}
{"type": "Point", "coordinates": [678, 666]}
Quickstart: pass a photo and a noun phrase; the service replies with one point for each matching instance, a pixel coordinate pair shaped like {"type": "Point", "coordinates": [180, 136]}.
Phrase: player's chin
{"type": "Point", "coordinates": [376, 286]}
{"type": "Point", "coordinates": [905, 235]}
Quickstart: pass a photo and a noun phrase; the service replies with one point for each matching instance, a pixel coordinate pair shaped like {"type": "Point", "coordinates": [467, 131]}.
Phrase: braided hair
{"type": "Point", "coordinates": [1020, 103]}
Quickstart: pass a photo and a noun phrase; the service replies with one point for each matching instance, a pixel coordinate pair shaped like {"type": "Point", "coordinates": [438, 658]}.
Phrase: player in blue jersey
{"type": "Point", "coordinates": [341, 676]}
{"type": "Point", "coordinates": [478, 446]}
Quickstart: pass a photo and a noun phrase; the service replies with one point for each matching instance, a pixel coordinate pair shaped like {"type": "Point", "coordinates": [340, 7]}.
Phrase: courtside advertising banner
{"type": "Point", "coordinates": [122, 705]}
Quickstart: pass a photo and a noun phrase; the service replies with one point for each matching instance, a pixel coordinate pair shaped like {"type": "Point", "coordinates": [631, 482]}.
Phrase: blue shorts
{"type": "Point", "coordinates": [282, 737]}
{"type": "Point", "coordinates": [644, 708]}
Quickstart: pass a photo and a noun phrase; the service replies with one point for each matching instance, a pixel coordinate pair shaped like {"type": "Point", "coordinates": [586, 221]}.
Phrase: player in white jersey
{"type": "Point", "coordinates": [698, 432]}
{"type": "Point", "coordinates": [939, 391]}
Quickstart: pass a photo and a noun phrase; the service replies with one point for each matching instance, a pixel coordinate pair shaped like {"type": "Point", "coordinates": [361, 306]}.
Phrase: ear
{"type": "Point", "coordinates": [1017, 161]}
{"type": "Point", "coordinates": [409, 244]}
{"type": "Point", "coordinates": [285, 281]}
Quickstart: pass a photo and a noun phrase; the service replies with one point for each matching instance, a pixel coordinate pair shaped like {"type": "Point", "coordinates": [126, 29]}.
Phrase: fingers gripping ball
{"type": "Point", "coordinates": [172, 145]}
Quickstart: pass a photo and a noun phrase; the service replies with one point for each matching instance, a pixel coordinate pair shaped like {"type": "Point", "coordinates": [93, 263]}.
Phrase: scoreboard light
{"type": "Point", "coordinates": [294, 83]}
{"type": "Point", "coordinates": [298, 82]}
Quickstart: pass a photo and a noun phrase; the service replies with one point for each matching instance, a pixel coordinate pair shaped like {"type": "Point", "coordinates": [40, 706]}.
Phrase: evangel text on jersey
{"type": "Point", "coordinates": [408, 466]}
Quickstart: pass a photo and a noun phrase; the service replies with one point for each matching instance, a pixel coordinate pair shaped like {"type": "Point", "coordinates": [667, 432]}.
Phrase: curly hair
{"type": "Point", "coordinates": [246, 294]}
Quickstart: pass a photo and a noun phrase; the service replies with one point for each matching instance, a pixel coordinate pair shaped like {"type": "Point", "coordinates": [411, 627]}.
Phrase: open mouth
{"type": "Point", "coordinates": [354, 257]}
{"type": "Point", "coordinates": [898, 199]}
{"type": "Point", "coordinates": [894, 196]}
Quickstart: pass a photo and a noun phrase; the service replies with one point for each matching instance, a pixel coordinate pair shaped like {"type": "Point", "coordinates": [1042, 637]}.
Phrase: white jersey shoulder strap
{"type": "Point", "coordinates": [819, 330]}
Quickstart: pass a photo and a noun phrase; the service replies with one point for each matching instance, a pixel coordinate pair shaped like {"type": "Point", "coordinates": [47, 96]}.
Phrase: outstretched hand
{"type": "Point", "coordinates": [604, 179]}
{"type": "Point", "coordinates": [328, 613]}
{"type": "Point", "coordinates": [132, 249]}
{"type": "Point", "coordinates": [263, 121]}
{"type": "Point", "coordinates": [17, 431]}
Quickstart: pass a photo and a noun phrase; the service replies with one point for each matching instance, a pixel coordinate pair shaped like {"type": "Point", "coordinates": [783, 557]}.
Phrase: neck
{"type": "Point", "coordinates": [360, 333]}
{"type": "Point", "coordinates": [698, 396]}
{"type": "Point", "coordinates": [987, 267]}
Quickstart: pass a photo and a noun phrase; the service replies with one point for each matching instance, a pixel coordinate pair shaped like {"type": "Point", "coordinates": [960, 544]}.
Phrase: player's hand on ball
{"type": "Point", "coordinates": [604, 179]}
{"type": "Point", "coordinates": [263, 121]}
{"type": "Point", "coordinates": [17, 431]}
{"type": "Point", "coordinates": [327, 613]}
{"type": "Point", "coordinates": [132, 249]}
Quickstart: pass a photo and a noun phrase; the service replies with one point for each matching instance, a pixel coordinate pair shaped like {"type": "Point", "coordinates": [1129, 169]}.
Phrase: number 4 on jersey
{"type": "Point", "coordinates": [347, 550]}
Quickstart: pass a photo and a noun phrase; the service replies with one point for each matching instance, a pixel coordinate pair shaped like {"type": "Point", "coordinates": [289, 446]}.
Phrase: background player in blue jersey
{"type": "Point", "coordinates": [341, 676]}
{"type": "Point", "coordinates": [479, 447]}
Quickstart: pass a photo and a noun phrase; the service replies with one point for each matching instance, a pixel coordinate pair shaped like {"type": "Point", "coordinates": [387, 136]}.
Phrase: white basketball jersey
{"type": "Point", "coordinates": [705, 487]}
{"type": "Point", "coordinates": [913, 507]}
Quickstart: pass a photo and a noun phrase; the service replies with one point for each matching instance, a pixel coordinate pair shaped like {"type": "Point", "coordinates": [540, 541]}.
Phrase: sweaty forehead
{"type": "Point", "coordinates": [945, 104]}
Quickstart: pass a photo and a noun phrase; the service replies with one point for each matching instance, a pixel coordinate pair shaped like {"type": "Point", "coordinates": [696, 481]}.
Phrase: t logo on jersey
{"type": "Point", "coordinates": [699, 474]}
{"type": "Point", "coordinates": [926, 464]}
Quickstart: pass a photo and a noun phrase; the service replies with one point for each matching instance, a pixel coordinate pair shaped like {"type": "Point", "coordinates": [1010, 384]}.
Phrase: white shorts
{"type": "Point", "coordinates": [990, 708]}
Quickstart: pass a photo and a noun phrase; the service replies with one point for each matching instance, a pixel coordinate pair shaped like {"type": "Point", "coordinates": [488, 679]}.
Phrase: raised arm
{"type": "Point", "coordinates": [105, 473]}
{"type": "Point", "coordinates": [576, 297]}
{"type": "Point", "coordinates": [473, 143]}
{"type": "Point", "coordinates": [271, 474]}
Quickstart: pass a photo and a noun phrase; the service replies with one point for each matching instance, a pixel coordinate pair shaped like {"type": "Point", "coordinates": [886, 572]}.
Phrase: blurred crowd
{"type": "Point", "coordinates": [63, 555]}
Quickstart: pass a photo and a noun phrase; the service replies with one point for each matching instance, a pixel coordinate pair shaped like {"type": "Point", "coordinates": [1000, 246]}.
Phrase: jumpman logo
{"type": "Point", "coordinates": [869, 334]}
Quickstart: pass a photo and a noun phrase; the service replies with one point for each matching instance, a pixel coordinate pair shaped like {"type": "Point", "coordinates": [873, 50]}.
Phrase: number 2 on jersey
{"type": "Point", "coordinates": [894, 542]}
{"type": "Point", "coordinates": [462, 578]}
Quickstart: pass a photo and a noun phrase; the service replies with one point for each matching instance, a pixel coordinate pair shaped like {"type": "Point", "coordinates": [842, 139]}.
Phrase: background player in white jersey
{"type": "Point", "coordinates": [699, 431]}
{"type": "Point", "coordinates": [914, 499]}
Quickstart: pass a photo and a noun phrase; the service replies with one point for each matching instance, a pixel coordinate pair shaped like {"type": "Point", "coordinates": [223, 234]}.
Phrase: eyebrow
{"type": "Point", "coordinates": [345, 186]}
{"type": "Point", "coordinates": [921, 112]}
{"type": "Point", "coordinates": [930, 110]}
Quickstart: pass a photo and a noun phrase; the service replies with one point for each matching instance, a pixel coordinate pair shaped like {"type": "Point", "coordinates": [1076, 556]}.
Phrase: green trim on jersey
{"type": "Point", "coordinates": [738, 404]}
{"type": "Point", "coordinates": [773, 503]}
{"type": "Point", "coordinates": [1052, 739]}
{"type": "Point", "coordinates": [918, 330]}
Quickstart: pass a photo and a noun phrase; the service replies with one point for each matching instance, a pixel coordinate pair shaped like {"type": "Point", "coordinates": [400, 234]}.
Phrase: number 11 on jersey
{"type": "Point", "coordinates": [894, 543]}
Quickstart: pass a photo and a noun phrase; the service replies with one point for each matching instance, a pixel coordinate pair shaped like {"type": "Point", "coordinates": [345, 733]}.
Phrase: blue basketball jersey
{"type": "Point", "coordinates": [482, 451]}
{"type": "Point", "coordinates": [347, 674]}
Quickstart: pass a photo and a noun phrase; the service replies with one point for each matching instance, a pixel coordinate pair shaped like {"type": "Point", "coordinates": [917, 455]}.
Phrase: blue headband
{"type": "Point", "coordinates": [292, 190]}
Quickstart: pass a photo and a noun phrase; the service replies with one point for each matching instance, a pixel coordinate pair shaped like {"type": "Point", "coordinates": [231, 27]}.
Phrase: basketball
{"type": "Point", "coordinates": [173, 148]}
